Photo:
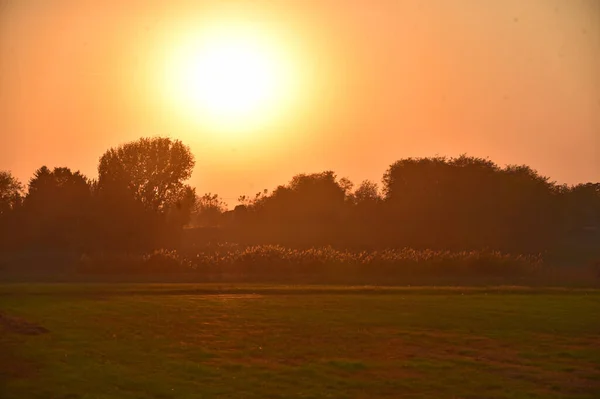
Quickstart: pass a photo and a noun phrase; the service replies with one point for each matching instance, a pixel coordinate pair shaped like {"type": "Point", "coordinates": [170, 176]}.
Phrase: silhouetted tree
{"type": "Point", "coordinates": [57, 209]}
{"type": "Point", "coordinates": [181, 212]}
{"type": "Point", "coordinates": [151, 169]}
{"type": "Point", "coordinates": [11, 192]}
{"type": "Point", "coordinates": [309, 209]}
{"type": "Point", "coordinates": [582, 205]}
{"type": "Point", "coordinates": [179, 215]}
{"type": "Point", "coordinates": [367, 193]}
{"type": "Point", "coordinates": [141, 202]}
{"type": "Point", "coordinates": [248, 201]}
{"type": "Point", "coordinates": [530, 207]}
{"type": "Point", "coordinates": [413, 193]}
{"type": "Point", "coordinates": [467, 202]}
{"type": "Point", "coordinates": [208, 210]}
{"type": "Point", "coordinates": [141, 196]}
{"type": "Point", "coordinates": [365, 215]}
{"type": "Point", "coordinates": [11, 197]}
{"type": "Point", "coordinates": [346, 185]}
{"type": "Point", "coordinates": [312, 198]}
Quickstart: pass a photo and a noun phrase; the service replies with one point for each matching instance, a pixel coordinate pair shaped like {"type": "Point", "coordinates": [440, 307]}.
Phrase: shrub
{"type": "Point", "coordinates": [274, 260]}
{"type": "Point", "coordinates": [164, 261]}
{"type": "Point", "coordinates": [159, 261]}
{"type": "Point", "coordinates": [109, 263]}
{"type": "Point", "coordinates": [268, 262]}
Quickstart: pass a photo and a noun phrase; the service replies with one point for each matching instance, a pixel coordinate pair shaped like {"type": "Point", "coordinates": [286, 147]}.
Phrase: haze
{"type": "Point", "coordinates": [514, 81]}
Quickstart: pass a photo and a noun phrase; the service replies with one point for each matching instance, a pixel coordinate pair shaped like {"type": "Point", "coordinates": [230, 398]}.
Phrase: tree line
{"type": "Point", "coordinates": [140, 202]}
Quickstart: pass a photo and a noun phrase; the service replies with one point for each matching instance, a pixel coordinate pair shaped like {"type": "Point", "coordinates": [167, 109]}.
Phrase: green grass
{"type": "Point", "coordinates": [211, 341]}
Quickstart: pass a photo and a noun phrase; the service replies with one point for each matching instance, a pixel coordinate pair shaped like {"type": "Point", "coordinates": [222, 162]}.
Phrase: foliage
{"type": "Point", "coordinates": [151, 169]}
{"type": "Point", "coordinates": [140, 203]}
{"type": "Point", "coordinates": [11, 199]}
{"type": "Point", "coordinates": [165, 261]}
{"type": "Point", "coordinates": [463, 203]}
{"type": "Point", "coordinates": [57, 208]}
{"type": "Point", "coordinates": [159, 261]}
{"type": "Point", "coordinates": [208, 210]}
{"type": "Point", "coordinates": [11, 192]}
{"type": "Point", "coordinates": [247, 201]}
{"type": "Point", "coordinates": [182, 211]}
{"type": "Point", "coordinates": [273, 262]}
{"type": "Point", "coordinates": [367, 193]}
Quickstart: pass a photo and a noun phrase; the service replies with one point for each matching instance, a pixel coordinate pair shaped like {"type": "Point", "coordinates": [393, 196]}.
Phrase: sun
{"type": "Point", "coordinates": [228, 78]}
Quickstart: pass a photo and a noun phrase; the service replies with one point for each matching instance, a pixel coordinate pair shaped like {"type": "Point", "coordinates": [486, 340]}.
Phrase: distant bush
{"type": "Point", "coordinates": [276, 261]}
{"type": "Point", "coordinates": [273, 262]}
{"type": "Point", "coordinates": [163, 260]}
{"type": "Point", "coordinates": [159, 261]}
{"type": "Point", "coordinates": [110, 262]}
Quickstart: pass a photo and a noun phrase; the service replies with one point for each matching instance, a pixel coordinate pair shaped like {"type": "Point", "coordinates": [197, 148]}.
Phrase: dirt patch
{"type": "Point", "coordinates": [20, 326]}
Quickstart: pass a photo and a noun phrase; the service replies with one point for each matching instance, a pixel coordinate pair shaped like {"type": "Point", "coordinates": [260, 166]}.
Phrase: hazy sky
{"type": "Point", "coordinates": [516, 81]}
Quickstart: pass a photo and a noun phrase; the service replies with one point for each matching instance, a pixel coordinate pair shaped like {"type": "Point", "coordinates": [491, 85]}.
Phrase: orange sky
{"type": "Point", "coordinates": [515, 81]}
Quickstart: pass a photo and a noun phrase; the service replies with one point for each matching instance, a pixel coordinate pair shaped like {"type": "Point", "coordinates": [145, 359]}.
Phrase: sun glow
{"type": "Point", "coordinates": [229, 78]}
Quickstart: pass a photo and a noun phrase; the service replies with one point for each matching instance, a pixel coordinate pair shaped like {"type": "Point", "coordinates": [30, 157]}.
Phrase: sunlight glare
{"type": "Point", "coordinates": [229, 78]}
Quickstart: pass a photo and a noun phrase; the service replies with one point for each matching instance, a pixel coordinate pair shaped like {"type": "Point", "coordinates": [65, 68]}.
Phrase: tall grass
{"type": "Point", "coordinates": [274, 262]}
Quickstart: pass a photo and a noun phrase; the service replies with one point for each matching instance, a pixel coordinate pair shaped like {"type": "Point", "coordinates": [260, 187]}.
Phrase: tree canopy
{"type": "Point", "coordinates": [141, 202]}
{"type": "Point", "coordinates": [11, 192]}
{"type": "Point", "coordinates": [57, 207]}
{"type": "Point", "coordinates": [153, 170]}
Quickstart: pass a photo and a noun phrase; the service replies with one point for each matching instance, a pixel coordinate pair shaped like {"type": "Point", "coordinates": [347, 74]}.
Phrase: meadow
{"type": "Point", "coordinates": [165, 341]}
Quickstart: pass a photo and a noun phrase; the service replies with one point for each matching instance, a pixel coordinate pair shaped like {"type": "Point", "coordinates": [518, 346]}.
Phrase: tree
{"type": "Point", "coordinates": [413, 191]}
{"type": "Point", "coordinates": [142, 201]}
{"type": "Point", "coordinates": [308, 210]}
{"type": "Point", "coordinates": [346, 185]}
{"type": "Point", "coordinates": [152, 170]}
{"type": "Point", "coordinates": [11, 197]}
{"type": "Point", "coordinates": [366, 193]}
{"type": "Point", "coordinates": [308, 198]}
{"type": "Point", "coordinates": [208, 210]}
{"type": "Point", "coordinates": [11, 193]}
{"type": "Point", "coordinates": [183, 209]}
{"type": "Point", "coordinates": [58, 181]}
{"type": "Point", "coordinates": [469, 202]}
{"type": "Point", "coordinates": [248, 201]}
{"type": "Point", "coordinates": [364, 219]}
{"type": "Point", "coordinates": [57, 208]}
{"type": "Point", "coordinates": [582, 206]}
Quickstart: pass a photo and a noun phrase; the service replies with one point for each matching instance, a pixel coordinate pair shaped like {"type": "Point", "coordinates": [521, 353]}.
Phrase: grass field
{"type": "Point", "coordinates": [209, 341]}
